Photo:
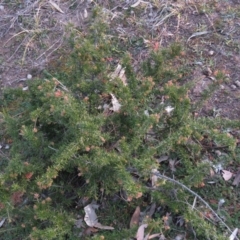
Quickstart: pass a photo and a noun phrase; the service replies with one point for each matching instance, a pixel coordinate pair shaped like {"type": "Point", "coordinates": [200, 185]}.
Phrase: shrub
{"type": "Point", "coordinates": [71, 140]}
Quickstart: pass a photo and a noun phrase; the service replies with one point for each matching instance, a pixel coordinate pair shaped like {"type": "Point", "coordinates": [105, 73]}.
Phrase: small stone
{"type": "Point", "coordinates": [233, 87]}
{"type": "Point", "coordinates": [211, 53]}
{"type": "Point", "coordinates": [207, 72]}
{"type": "Point", "coordinates": [222, 87]}
{"type": "Point", "coordinates": [237, 83]}
{"type": "Point", "coordinates": [25, 88]}
{"type": "Point", "coordinates": [29, 76]}
{"type": "Point", "coordinates": [1, 7]}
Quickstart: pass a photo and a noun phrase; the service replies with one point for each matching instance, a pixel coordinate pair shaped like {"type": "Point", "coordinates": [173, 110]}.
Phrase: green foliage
{"type": "Point", "coordinates": [68, 145]}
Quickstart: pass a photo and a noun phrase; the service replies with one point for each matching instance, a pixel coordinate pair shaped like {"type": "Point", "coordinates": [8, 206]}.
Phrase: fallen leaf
{"type": "Point", "coordinates": [163, 158]}
{"type": "Point", "coordinates": [85, 14]}
{"type": "Point", "coordinates": [197, 34]}
{"type": "Point", "coordinates": [90, 215]}
{"type": "Point", "coordinates": [135, 217]}
{"type": "Point", "coordinates": [146, 237]}
{"type": "Point", "coordinates": [119, 73]}
{"type": "Point", "coordinates": [152, 210]}
{"type": "Point", "coordinates": [154, 178]}
{"type": "Point", "coordinates": [226, 175]}
{"type": "Point", "coordinates": [88, 231]}
{"type": "Point", "coordinates": [28, 175]}
{"type": "Point", "coordinates": [56, 6]}
{"type": "Point", "coordinates": [115, 104]}
{"type": "Point", "coordinates": [162, 237]}
{"type": "Point", "coordinates": [2, 222]}
{"type": "Point", "coordinates": [154, 235]}
{"type": "Point", "coordinates": [100, 226]}
{"type": "Point", "coordinates": [136, 4]}
{"type": "Point", "coordinates": [116, 72]}
{"type": "Point", "coordinates": [212, 173]}
{"type": "Point", "coordinates": [146, 41]}
{"type": "Point", "coordinates": [234, 234]}
{"type": "Point", "coordinates": [237, 179]}
{"type": "Point", "coordinates": [140, 232]}
{"type": "Point", "coordinates": [122, 76]}
{"type": "Point", "coordinates": [172, 164]}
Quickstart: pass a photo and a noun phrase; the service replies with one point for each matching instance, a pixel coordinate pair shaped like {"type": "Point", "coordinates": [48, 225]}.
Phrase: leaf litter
{"type": "Point", "coordinates": [135, 217]}
{"type": "Point", "coordinates": [227, 175]}
{"type": "Point", "coordinates": [119, 72]}
{"type": "Point", "coordinates": [2, 222]}
{"type": "Point", "coordinates": [237, 179]}
{"type": "Point", "coordinates": [91, 218]}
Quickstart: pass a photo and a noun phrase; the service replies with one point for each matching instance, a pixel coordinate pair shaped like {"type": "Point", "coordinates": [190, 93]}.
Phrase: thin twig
{"type": "Point", "coordinates": [59, 40]}
{"type": "Point", "coordinates": [196, 195]}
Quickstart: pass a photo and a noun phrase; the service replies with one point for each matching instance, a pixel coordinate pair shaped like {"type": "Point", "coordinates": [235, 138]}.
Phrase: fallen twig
{"type": "Point", "coordinates": [196, 195]}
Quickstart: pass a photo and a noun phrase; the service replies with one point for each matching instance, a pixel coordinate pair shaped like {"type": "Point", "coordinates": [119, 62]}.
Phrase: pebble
{"type": "Point", "coordinates": [237, 83]}
{"type": "Point", "coordinates": [207, 72]}
{"type": "Point", "coordinates": [211, 53]}
{"type": "Point", "coordinates": [29, 76]}
{"type": "Point", "coordinates": [1, 7]}
{"type": "Point", "coordinates": [233, 87]}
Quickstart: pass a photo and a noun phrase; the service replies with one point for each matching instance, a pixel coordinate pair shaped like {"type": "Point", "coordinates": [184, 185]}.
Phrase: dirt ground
{"type": "Point", "coordinates": [33, 31]}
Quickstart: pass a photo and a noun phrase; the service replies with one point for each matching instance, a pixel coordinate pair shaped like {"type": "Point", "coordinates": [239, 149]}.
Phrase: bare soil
{"type": "Point", "coordinates": [33, 31]}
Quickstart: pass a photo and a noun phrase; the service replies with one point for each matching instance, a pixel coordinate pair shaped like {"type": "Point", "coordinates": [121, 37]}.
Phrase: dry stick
{"type": "Point", "coordinates": [196, 195]}
{"type": "Point", "coordinates": [26, 48]}
{"type": "Point", "coordinates": [50, 48]}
